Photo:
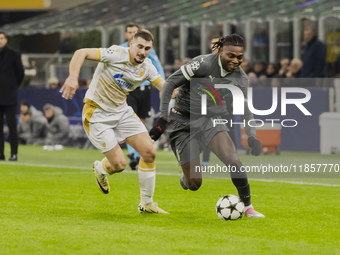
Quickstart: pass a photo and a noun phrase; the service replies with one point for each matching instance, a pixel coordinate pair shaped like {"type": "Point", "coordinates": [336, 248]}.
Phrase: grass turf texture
{"type": "Point", "coordinates": [59, 210]}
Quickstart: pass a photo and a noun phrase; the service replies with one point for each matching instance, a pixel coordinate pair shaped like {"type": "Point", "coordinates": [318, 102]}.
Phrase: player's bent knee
{"type": "Point", "coordinates": [149, 155]}
{"type": "Point", "coordinates": [233, 159]}
{"type": "Point", "coordinates": [235, 162]}
{"type": "Point", "coordinates": [116, 167]}
{"type": "Point", "coordinates": [120, 166]}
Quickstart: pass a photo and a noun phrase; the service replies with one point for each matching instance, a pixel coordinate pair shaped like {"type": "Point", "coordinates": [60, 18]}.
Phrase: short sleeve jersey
{"type": "Point", "coordinates": [204, 66]}
{"type": "Point", "coordinates": [116, 76]}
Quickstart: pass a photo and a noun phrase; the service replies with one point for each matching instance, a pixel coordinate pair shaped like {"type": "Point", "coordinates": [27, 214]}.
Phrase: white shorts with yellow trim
{"type": "Point", "coordinates": [105, 129]}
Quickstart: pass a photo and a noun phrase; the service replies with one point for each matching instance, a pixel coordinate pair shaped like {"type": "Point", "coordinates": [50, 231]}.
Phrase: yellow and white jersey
{"type": "Point", "coordinates": [116, 76]}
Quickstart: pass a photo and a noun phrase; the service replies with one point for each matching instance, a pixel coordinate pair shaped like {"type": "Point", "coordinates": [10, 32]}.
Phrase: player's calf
{"type": "Point", "coordinates": [116, 166]}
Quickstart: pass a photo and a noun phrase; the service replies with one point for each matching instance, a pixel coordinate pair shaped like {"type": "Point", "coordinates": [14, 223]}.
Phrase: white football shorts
{"type": "Point", "coordinates": [105, 129]}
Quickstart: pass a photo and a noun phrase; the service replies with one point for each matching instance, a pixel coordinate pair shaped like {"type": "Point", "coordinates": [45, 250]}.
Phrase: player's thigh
{"type": "Point", "coordinates": [192, 171]}
{"type": "Point", "coordinates": [185, 148]}
{"type": "Point", "coordinates": [182, 138]}
{"type": "Point", "coordinates": [223, 147]}
{"type": "Point", "coordinates": [131, 130]}
{"type": "Point", "coordinates": [129, 125]}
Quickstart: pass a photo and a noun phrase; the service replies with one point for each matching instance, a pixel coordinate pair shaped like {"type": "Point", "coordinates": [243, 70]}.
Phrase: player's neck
{"type": "Point", "coordinates": [132, 61]}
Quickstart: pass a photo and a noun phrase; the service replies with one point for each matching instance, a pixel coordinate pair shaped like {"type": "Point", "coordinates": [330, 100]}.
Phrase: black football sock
{"type": "Point", "coordinates": [244, 194]}
{"type": "Point", "coordinates": [243, 189]}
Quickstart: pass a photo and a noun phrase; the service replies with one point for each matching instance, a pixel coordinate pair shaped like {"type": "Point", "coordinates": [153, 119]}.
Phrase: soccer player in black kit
{"type": "Point", "coordinates": [189, 131]}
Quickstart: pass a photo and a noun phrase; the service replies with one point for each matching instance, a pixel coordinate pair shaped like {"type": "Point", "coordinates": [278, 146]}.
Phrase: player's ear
{"type": "Point", "coordinates": [130, 43]}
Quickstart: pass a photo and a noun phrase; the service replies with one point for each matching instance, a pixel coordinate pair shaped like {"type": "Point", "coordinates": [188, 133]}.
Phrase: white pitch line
{"type": "Point", "coordinates": [164, 173]}
{"type": "Point", "coordinates": [298, 183]}
{"type": "Point", "coordinates": [45, 165]}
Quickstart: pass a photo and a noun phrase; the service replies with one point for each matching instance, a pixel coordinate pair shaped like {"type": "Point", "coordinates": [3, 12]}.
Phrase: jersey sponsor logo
{"type": "Point", "coordinates": [195, 65]}
{"type": "Point", "coordinates": [121, 82]}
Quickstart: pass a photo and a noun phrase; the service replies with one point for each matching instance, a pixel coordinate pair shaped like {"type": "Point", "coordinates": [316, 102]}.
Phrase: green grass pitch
{"type": "Point", "coordinates": [50, 204]}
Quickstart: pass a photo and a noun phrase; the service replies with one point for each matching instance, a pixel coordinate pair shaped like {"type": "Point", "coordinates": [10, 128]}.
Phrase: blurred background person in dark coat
{"type": "Point", "coordinates": [314, 57]}
{"type": "Point", "coordinates": [11, 76]}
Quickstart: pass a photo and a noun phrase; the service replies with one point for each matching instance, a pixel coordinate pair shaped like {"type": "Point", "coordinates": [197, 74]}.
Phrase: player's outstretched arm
{"type": "Point", "coordinates": [71, 83]}
{"type": "Point", "coordinates": [160, 85]}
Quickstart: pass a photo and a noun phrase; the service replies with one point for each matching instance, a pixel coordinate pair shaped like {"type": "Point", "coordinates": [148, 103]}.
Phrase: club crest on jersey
{"type": "Point", "coordinates": [142, 72]}
{"type": "Point", "coordinates": [121, 82]}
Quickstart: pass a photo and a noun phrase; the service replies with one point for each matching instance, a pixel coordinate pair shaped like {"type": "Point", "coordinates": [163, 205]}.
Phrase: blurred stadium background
{"type": "Point", "coordinates": [48, 32]}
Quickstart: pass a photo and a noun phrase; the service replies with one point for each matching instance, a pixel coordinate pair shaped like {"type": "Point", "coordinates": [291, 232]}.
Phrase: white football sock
{"type": "Point", "coordinates": [247, 207]}
{"type": "Point", "coordinates": [147, 180]}
{"type": "Point", "coordinates": [100, 167]}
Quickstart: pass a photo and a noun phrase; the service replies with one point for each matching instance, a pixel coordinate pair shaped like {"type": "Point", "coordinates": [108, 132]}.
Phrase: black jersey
{"type": "Point", "coordinates": [197, 77]}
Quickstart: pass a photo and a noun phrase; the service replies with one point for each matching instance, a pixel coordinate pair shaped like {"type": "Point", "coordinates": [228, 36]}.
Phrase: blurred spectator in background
{"type": "Point", "coordinates": [284, 63]}
{"type": "Point", "coordinates": [177, 64]}
{"type": "Point", "coordinates": [11, 76]}
{"type": "Point", "coordinates": [31, 129]}
{"type": "Point", "coordinates": [294, 68]}
{"type": "Point", "coordinates": [65, 46]}
{"type": "Point", "coordinates": [258, 69]}
{"type": "Point", "coordinates": [246, 67]}
{"type": "Point", "coordinates": [271, 71]}
{"type": "Point", "coordinates": [185, 61]}
{"type": "Point", "coordinates": [253, 81]}
{"type": "Point", "coordinates": [53, 82]}
{"type": "Point", "coordinates": [58, 126]}
{"type": "Point", "coordinates": [26, 106]}
{"type": "Point", "coordinates": [314, 57]}
{"type": "Point", "coordinates": [32, 125]}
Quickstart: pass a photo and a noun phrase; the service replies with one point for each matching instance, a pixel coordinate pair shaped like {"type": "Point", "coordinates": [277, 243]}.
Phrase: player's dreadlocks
{"type": "Point", "coordinates": [233, 39]}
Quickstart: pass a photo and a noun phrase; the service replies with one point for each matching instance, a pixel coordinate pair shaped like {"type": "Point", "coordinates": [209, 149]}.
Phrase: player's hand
{"type": "Point", "coordinates": [255, 146]}
{"type": "Point", "coordinates": [69, 88]}
{"type": "Point", "coordinates": [158, 129]}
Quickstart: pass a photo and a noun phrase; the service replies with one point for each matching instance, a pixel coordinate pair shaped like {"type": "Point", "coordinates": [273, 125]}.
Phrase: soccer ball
{"type": "Point", "coordinates": [229, 207]}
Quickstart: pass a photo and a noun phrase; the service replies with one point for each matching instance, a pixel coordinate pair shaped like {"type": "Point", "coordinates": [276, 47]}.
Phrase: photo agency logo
{"type": "Point", "coordinates": [239, 103]}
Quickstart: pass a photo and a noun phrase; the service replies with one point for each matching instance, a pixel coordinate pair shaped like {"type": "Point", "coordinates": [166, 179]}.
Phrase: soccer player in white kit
{"type": "Point", "coordinates": [108, 120]}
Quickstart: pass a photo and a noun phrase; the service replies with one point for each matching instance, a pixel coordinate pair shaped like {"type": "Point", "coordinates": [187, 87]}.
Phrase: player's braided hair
{"type": "Point", "coordinates": [233, 39]}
